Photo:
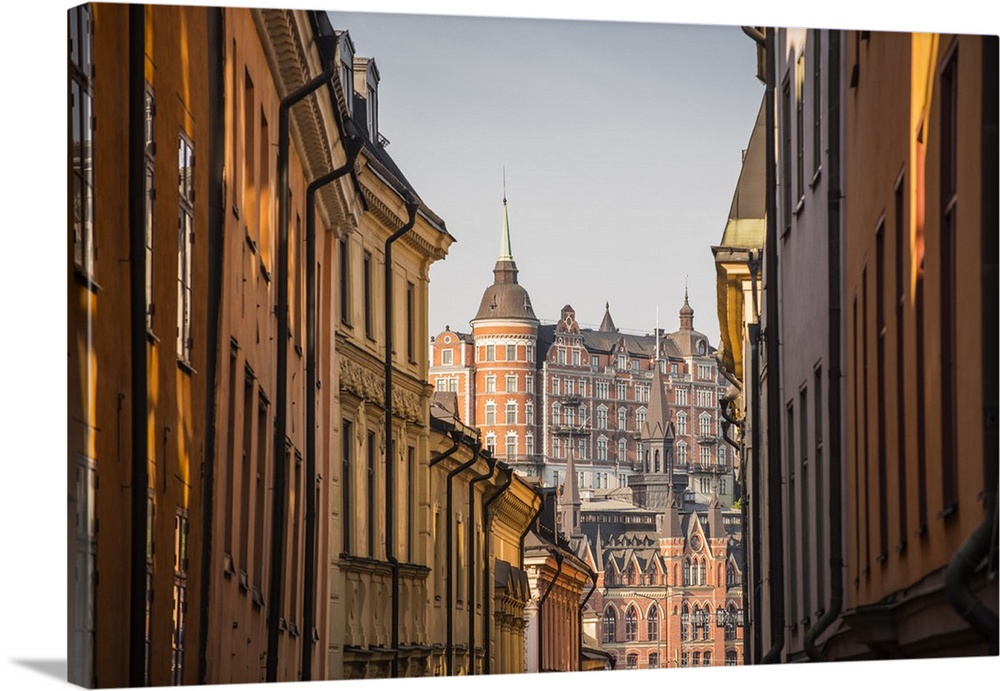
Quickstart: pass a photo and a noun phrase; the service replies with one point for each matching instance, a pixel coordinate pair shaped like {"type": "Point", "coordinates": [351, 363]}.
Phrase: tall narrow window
{"type": "Point", "coordinates": [82, 137]}
{"type": "Point", "coordinates": [411, 499]}
{"type": "Point", "coordinates": [786, 155]}
{"type": "Point", "coordinates": [949, 306]}
{"type": "Point", "coordinates": [793, 557]}
{"type": "Point", "coordinates": [411, 305]}
{"type": "Point", "coordinates": [819, 479]}
{"type": "Point", "coordinates": [249, 153]}
{"type": "Point", "coordinates": [370, 448]}
{"type": "Point", "coordinates": [230, 478]}
{"type": "Point", "coordinates": [608, 625]}
{"type": "Point", "coordinates": [265, 430]}
{"type": "Point", "coordinates": [181, 527]}
{"type": "Point", "coordinates": [817, 98]}
{"type": "Point", "coordinates": [881, 375]}
{"type": "Point", "coordinates": [246, 472]}
{"type": "Point", "coordinates": [346, 500]}
{"type": "Point", "coordinates": [150, 551]}
{"type": "Point", "coordinates": [653, 624]}
{"type": "Point", "coordinates": [185, 242]}
{"type": "Point", "coordinates": [900, 360]}
{"type": "Point", "coordinates": [345, 281]}
{"type": "Point", "coordinates": [803, 512]}
{"type": "Point", "coordinates": [149, 194]}
{"type": "Point", "coordinates": [511, 413]}
{"type": "Point", "coordinates": [264, 198]}
{"type": "Point", "coordinates": [511, 443]}
{"type": "Point", "coordinates": [800, 127]}
{"type": "Point", "coordinates": [919, 310]}
{"type": "Point", "coordinates": [631, 624]}
{"type": "Point", "coordinates": [864, 418]}
{"type": "Point", "coordinates": [367, 279]}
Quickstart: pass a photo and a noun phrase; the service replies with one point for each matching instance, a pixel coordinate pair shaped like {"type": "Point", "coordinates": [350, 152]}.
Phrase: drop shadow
{"type": "Point", "coordinates": [50, 668]}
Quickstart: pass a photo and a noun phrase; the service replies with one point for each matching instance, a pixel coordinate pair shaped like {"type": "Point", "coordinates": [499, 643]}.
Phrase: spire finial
{"type": "Point", "coordinates": [505, 253]}
{"type": "Point", "coordinates": [505, 185]}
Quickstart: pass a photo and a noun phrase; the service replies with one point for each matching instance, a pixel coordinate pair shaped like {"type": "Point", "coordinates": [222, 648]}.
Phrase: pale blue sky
{"type": "Point", "coordinates": [621, 141]}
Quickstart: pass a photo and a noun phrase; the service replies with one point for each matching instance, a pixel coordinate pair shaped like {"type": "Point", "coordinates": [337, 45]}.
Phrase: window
{"type": "Point", "coordinates": [491, 443]}
{"type": "Point", "coordinates": [722, 485]}
{"type": "Point", "coordinates": [82, 131]}
{"type": "Point", "coordinates": [372, 529]}
{"type": "Point", "coordinates": [346, 500]}
{"type": "Point", "coordinates": [576, 357]}
{"type": "Point", "coordinates": [367, 278]}
{"type": "Point", "coordinates": [561, 356]}
{"type": "Point", "coordinates": [642, 393]}
{"type": "Point", "coordinates": [529, 445]}
{"type": "Point", "coordinates": [631, 623]}
{"type": "Point", "coordinates": [555, 414]}
{"type": "Point", "coordinates": [529, 413]}
{"type": "Point", "coordinates": [511, 383]}
{"type": "Point", "coordinates": [685, 614]}
{"type": "Point", "coordinates": [529, 353]}
{"type": "Point", "coordinates": [149, 194]}
{"type": "Point", "coordinates": [653, 624]}
{"type": "Point", "coordinates": [684, 659]}
{"type": "Point", "coordinates": [622, 421]}
{"type": "Point", "coordinates": [948, 268]}
{"type": "Point", "coordinates": [631, 661]}
{"type": "Point", "coordinates": [601, 388]}
{"type": "Point", "coordinates": [800, 73]}
{"type": "Point", "coordinates": [620, 361]}
{"type": "Point", "coordinates": [681, 396]}
{"type": "Point", "coordinates": [705, 425]}
{"type": "Point", "coordinates": [491, 353]}
{"type": "Point", "coordinates": [602, 449]}
{"type": "Point", "coordinates": [706, 659]}
{"type": "Point", "coordinates": [640, 418]}
{"type": "Point", "coordinates": [529, 383]}
{"type": "Point", "coordinates": [705, 456]}
{"type": "Point", "coordinates": [682, 453]}
{"type": "Point", "coordinates": [556, 449]}
{"type": "Point", "coordinates": [511, 352]}
{"type": "Point", "coordinates": [570, 417]}
{"type": "Point", "coordinates": [568, 385]}
{"type": "Point", "coordinates": [511, 413]}
{"type": "Point", "coordinates": [410, 322]}
{"type": "Point", "coordinates": [817, 99]}
{"type": "Point", "coordinates": [786, 155]}
{"type": "Point", "coordinates": [511, 445]}
{"type": "Point", "coordinates": [608, 625]}
{"type": "Point", "coordinates": [720, 456]}
{"type": "Point", "coordinates": [654, 661]}
{"type": "Point", "coordinates": [602, 418]}
{"type": "Point", "coordinates": [345, 282]}
{"type": "Point", "coordinates": [622, 449]}
{"type": "Point", "coordinates": [181, 528]}
{"type": "Point", "coordinates": [681, 424]}
{"type": "Point", "coordinates": [185, 241]}
{"type": "Point", "coordinates": [621, 391]}
{"type": "Point", "coordinates": [447, 357]}
{"type": "Point", "coordinates": [730, 658]}
{"type": "Point", "coordinates": [555, 385]}
{"type": "Point", "coordinates": [695, 659]}
{"type": "Point", "coordinates": [491, 413]}
{"type": "Point", "coordinates": [491, 383]}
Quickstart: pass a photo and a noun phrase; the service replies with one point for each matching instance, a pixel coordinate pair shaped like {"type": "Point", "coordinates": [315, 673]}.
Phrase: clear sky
{"type": "Point", "coordinates": [622, 145]}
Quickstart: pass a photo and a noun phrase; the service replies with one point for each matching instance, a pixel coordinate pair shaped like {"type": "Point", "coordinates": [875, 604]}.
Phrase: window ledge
{"type": "Point", "coordinates": [798, 207]}
{"type": "Point", "coordinates": [86, 280]}
{"type": "Point", "coordinates": [816, 178]}
{"type": "Point", "coordinates": [152, 337]}
{"type": "Point", "coordinates": [947, 511]}
{"type": "Point", "coordinates": [185, 366]}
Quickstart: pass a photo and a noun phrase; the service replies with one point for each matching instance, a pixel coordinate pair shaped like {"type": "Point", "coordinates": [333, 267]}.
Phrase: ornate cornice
{"type": "Point", "coordinates": [369, 386]}
{"type": "Point", "coordinates": [389, 219]}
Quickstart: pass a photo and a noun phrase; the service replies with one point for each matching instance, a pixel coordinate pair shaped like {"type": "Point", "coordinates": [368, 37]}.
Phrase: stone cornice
{"type": "Point", "coordinates": [388, 218]}
{"type": "Point", "coordinates": [369, 386]}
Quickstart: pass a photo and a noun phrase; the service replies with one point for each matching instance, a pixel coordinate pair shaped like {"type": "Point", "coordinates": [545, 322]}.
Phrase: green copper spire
{"type": "Point", "coordinates": [505, 235]}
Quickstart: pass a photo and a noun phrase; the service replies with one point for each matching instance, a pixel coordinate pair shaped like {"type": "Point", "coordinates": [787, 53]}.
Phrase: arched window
{"type": "Point", "coordinates": [682, 453]}
{"type": "Point", "coordinates": [654, 661]}
{"type": "Point", "coordinates": [682, 424]}
{"type": "Point", "coordinates": [687, 570]}
{"type": "Point", "coordinates": [685, 622]}
{"type": "Point", "coordinates": [730, 576]}
{"type": "Point", "coordinates": [609, 624]}
{"type": "Point", "coordinates": [622, 414]}
{"type": "Point", "coordinates": [705, 424]}
{"type": "Point", "coordinates": [706, 659]}
{"type": "Point", "coordinates": [653, 624]}
{"type": "Point", "coordinates": [731, 623]}
{"type": "Point", "coordinates": [701, 572]}
{"type": "Point", "coordinates": [631, 623]}
{"type": "Point", "coordinates": [622, 449]}
{"type": "Point", "coordinates": [730, 658]}
{"type": "Point", "coordinates": [632, 661]}
{"type": "Point", "coordinates": [656, 461]}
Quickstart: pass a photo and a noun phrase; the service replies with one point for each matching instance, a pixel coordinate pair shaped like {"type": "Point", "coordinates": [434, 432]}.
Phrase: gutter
{"type": "Point", "coordinates": [450, 558]}
{"type": "Point", "coordinates": [487, 603]}
{"type": "Point", "coordinates": [216, 224]}
{"type": "Point", "coordinates": [353, 147]}
{"type": "Point", "coordinates": [982, 543]}
{"type": "Point", "coordinates": [492, 463]}
{"type": "Point", "coordinates": [137, 660]}
{"type": "Point", "coordinates": [541, 601]}
{"type": "Point", "coordinates": [771, 335]}
{"type": "Point", "coordinates": [833, 366]}
{"type": "Point", "coordinates": [593, 578]}
{"type": "Point", "coordinates": [281, 385]}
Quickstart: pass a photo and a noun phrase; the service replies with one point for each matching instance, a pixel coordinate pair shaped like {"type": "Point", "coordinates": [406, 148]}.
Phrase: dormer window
{"type": "Point", "coordinates": [346, 70]}
{"type": "Point", "coordinates": [366, 79]}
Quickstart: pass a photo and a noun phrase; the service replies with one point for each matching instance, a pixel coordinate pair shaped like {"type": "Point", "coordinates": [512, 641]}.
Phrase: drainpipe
{"type": "Point", "coordinates": [982, 543]}
{"type": "Point", "coordinates": [456, 440]}
{"type": "Point", "coordinates": [492, 464]}
{"type": "Point", "coordinates": [216, 224]}
{"type": "Point", "coordinates": [137, 322]}
{"type": "Point", "coordinates": [541, 601]}
{"type": "Point", "coordinates": [833, 368]}
{"type": "Point", "coordinates": [450, 558]}
{"type": "Point", "coordinates": [752, 506]}
{"type": "Point", "coordinates": [487, 604]}
{"type": "Point", "coordinates": [353, 147]}
{"type": "Point", "coordinates": [776, 562]}
{"type": "Point", "coordinates": [281, 386]}
{"type": "Point", "coordinates": [390, 450]}
{"type": "Point", "coordinates": [593, 578]}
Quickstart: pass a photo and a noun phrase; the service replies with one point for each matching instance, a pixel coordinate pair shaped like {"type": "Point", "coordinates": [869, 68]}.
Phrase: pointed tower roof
{"type": "Point", "coordinates": [671, 517]}
{"type": "Point", "coordinates": [657, 423]}
{"type": "Point", "coordinates": [715, 526]}
{"type": "Point", "coordinates": [505, 299]}
{"type": "Point", "coordinates": [598, 552]}
{"type": "Point", "coordinates": [607, 324]}
{"type": "Point", "coordinates": [687, 314]}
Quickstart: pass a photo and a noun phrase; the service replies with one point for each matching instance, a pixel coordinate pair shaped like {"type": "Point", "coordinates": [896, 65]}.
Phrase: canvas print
{"type": "Point", "coordinates": [413, 346]}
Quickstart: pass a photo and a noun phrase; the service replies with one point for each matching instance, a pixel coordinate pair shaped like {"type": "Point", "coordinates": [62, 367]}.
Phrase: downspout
{"type": "Point", "coordinates": [216, 235]}
{"type": "Point", "coordinates": [353, 147]}
{"type": "Point", "coordinates": [456, 440]}
{"type": "Point", "coordinates": [541, 601]}
{"type": "Point", "coordinates": [281, 386]}
{"type": "Point", "coordinates": [450, 559]}
{"type": "Point", "coordinates": [137, 322]}
{"type": "Point", "coordinates": [833, 368]}
{"type": "Point", "coordinates": [752, 506]}
{"type": "Point", "coordinates": [982, 543]}
{"type": "Point", "coordinates": [492, 463]}
{"type": "Point", "coordinates": [390, 450]}
{"type": "Point", "coordinates": [487, 603]}
{"type": "Point", "coordinates": [593, 578]}
{"type": "Point", "coordinates": [776, 561]}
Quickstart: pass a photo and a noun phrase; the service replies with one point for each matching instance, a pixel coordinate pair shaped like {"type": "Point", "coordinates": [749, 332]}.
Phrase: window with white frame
{"type": "Point", "coordinates": [510, 382]}
{"type": "Point", "coordinates": [622, 418]}
{"type": "Point", "coordinates": [705, 424]}
{"type": "Point", "coordinates": [720, 455]}
{"type": "Point", "coordinates": [511, 352]}
{"type": "Point", "coordinates": [576, 357]}
{"type": "Point", "coordinates": [491, 353]}
{"type": "Point", "coordinates": [556, 448]}
{"type": "Point", "coordinates": [561, 356]}
{"type": "Point", "coordinates": [601, 389]}
{"type": "Point", "coordinates": [568, 385]}
{"type": "Point", "coordinates": [491, 383]}
{"type": "Point", "coordinates": [642, 392]}
{"type": "Point", "coordinates": [705, 455]}
{"type": "Point", "coordinates": [511, 444]}
{"type": "Point", "coordinates": [530, 353]}
{"type": "Point", "coordinates": [529, 383]}
{"type": "Point", "coordinates": [682, 453]}
{"type": "Point", "coordinates": [602, 417]}
{"type": "Point", "coordinates": [620, 361]}
{"type": "Point", "coordinates": [640, 418]}
{"type": "Point", "coordinates": [491, 443]}
{"type": "Point", "coordinates": [446, 357]}
{"type": "Point", "coordinates": [511, 412]}
{"type": "Point", "coordinates": [185, 245]}
{"type": "Point", "coordinates": [682, 424]}
{"type": "Point", "coordinates": [621, 391]}
{"type": "Point", "coordinates": [602, 449]}
{"type": "Point", "coordinates": [555, 385]}
{"type": "Point", "coordinates": [622, 449]}
{"type": "Point", "coordinates": [529, 413]}
{"type": "Point", "coordinates": [680, 396]}
{"type": "Point", "coordinates": [570, 416]}
{"type": "Point", "coordinates": [529, 444]}
{"type": "Point", "coordinates": [556, 420]}
{"type": "Point", "coordinates": [491, 413]}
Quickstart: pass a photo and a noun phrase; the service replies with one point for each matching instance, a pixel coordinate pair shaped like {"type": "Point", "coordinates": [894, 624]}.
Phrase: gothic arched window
{"type": "Point", "coordinates": [609, 625]}
{"type": "Point", "coordinates": [653, 624]}
{"type": "Point", "coordinates": [631, 624]}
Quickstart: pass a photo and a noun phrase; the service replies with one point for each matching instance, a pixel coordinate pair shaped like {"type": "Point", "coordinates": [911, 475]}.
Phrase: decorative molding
{"type": "Point", "coordinates": [370, 388]}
